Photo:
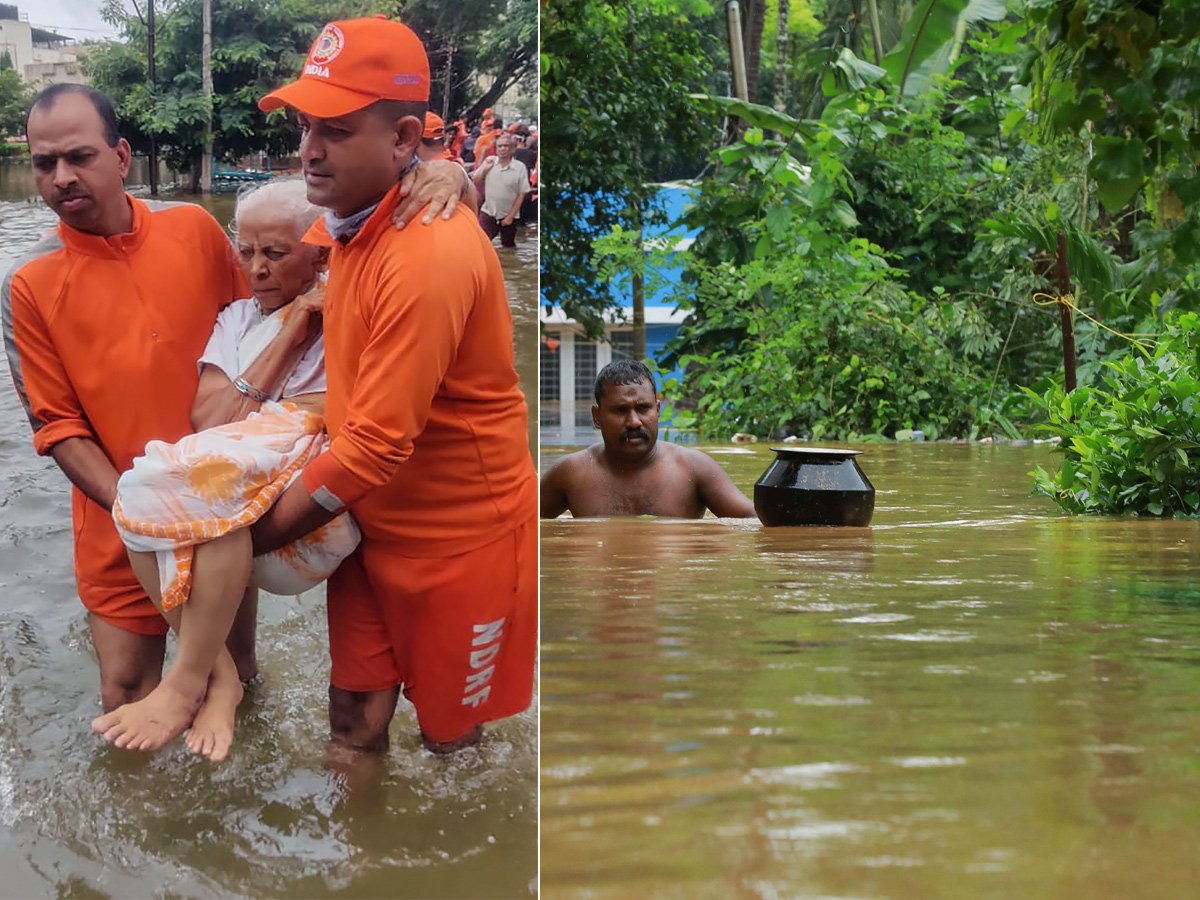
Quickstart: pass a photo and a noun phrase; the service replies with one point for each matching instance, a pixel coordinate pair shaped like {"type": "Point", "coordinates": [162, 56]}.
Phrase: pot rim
{"type": "Point", "coordinates": [828, 452]}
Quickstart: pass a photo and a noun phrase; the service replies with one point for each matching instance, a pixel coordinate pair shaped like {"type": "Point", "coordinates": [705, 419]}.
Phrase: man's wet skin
{"type": "Point", "coordinates": [629, 473]}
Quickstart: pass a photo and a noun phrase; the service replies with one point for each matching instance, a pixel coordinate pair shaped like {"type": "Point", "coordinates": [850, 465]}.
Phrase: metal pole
{"type": "Point", "coordinates": [206, 163]}
{"type": "Point", "coordinates": [1064, 313]}
{"type": "Point", "coordinates": [153, 91]}
{"type": "Point", "coordinates": [737, 55]}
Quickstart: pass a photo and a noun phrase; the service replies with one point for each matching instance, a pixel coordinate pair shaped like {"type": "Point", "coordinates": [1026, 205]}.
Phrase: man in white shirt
{"type": "Point", "coordinates": [505, 184]}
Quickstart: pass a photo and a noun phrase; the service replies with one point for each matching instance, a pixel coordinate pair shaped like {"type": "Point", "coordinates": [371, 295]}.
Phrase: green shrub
{"type": "Point", "coordinates": [830, 346]}
{"type": "Point", "coordinates": [1134, 448]}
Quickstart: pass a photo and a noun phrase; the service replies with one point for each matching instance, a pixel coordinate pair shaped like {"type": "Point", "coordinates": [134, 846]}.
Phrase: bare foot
{"type": "Point", "coordinates": [150, 722]}
{"type": "Point", "coordinates": [211, 733]}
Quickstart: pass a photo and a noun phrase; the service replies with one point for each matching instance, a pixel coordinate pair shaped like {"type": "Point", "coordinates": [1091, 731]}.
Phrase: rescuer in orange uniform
{"type": "Point", "coordinates": [109, 314]}
{"type": "Point", "coordinates": [428, 425]}
{"type": "Point", "coordinates": [104, 320]}
{"type": "Point", "coordinates": [433, 140]}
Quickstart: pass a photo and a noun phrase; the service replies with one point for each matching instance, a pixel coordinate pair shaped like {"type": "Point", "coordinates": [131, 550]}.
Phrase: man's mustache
{"type": "Point", "coordinates": [64, 196]}
{"type": "Point", "coordinates": [635, 432]}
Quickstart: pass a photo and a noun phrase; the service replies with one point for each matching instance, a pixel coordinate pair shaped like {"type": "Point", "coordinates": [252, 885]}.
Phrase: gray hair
{"type": "Point", "coordinates": [287, 199]}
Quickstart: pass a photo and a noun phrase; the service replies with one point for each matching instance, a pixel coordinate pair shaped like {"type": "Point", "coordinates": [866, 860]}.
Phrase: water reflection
{"type": "Point", "coordinates": [78, 818]}
{"type": "Point", "coordinates": [974, 697]}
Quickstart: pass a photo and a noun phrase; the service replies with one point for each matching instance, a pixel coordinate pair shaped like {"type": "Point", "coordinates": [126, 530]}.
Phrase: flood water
{"type": "Point", "coordinates": [975, 697]}
{"type": "Point", "coordinates": [78, 818]}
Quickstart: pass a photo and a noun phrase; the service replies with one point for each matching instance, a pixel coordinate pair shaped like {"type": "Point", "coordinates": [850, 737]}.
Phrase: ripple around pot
{"type": "Point", "coordinates": [814, 486]}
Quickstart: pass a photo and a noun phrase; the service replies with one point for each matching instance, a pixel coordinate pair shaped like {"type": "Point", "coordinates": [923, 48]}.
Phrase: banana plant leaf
{"type": "Point", "coordinates": [933, 38]}
{"type": "Point", "coordinates": [757, 115]}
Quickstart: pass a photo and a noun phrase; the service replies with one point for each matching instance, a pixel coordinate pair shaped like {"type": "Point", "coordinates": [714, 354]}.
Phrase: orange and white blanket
{"type": "Point", "coordinates": [221, 479]}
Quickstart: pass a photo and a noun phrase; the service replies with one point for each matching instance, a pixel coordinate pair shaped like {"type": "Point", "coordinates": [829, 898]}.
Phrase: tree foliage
{"type": "Point", "coordinates": [1125, 73]}
{"type": "Point", "coordinates": [616, 116]}
{"type": "Point", "coordinates": [1133, 445]}
{"type": "Point", "coordinates": [14, 101]}
{"type": "Point", "coordinates": [259, 45]}
{"type": "Point", "coordinates": [497, 38]}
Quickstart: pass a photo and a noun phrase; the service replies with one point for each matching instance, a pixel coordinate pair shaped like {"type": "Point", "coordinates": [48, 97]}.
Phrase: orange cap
{"type": "Point", "coordinates": [435, 128]}
{"type": "Point", "coordinates": [352, 64]}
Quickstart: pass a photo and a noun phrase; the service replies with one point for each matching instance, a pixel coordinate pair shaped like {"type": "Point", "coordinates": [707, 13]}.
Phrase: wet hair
{"type": "Point", "coordinates": [286, 198]}
{"type": "Point", "coordinates": [104, 108]}
{"type": "Point", "coordinates": [621, 371]}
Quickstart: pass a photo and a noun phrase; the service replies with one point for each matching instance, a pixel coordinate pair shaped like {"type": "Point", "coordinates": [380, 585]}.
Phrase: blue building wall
{"type": "Point", "coordinates": [674, 198]}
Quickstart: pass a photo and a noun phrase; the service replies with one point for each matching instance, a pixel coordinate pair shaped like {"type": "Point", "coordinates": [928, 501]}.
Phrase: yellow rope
{"type": "Point", "coordinates": [1069, 301]}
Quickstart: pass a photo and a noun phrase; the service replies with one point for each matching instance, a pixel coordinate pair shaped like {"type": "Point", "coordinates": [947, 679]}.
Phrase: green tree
{"type": "Point", "coordinates": [14, 101]}
{"type": "Point", "coordinates": [496, 39]}
{"type": "Point", "coordinates": [257, 46]}
{"type": "Point", "coordinates": [616, 115]}
{"type": "Point", "coordinates": [1123, 74]}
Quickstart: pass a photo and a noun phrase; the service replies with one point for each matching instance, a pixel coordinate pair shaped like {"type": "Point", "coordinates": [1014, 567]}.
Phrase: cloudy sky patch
{"type": "Point", "coordinates": [79, 19]}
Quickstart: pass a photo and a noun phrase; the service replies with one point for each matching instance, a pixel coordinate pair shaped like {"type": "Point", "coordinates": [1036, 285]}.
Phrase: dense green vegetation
{"type": "Point", "coordinates": [1133, 445]}
{"type": "Point", "coordinates": [14, 99]}
{"type": "Point", "coordinates": [873, 243]}
{"type": "Point", "coordinates": [617, 114]}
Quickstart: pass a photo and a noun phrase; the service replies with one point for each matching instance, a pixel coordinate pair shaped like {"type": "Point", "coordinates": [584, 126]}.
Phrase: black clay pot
{"type": "Point", "coordinates": [814, 486]}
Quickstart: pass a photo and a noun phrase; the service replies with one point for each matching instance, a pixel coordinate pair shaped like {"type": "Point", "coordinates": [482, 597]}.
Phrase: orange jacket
{"type": "Point", "coordinates": [460, 137]}
{"type": "Point", "coordinates": [429, 444]}
{"type": "Point", "coordinates": [104, 342]}
{"type": "Point", "coordinates": [486, 145]}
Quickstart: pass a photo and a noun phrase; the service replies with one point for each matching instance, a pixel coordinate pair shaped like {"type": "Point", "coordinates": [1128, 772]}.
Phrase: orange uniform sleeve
{"type": "Point", "coordinates": [41, 381]}
{"type": "Point", "coordinates": [417, 324]}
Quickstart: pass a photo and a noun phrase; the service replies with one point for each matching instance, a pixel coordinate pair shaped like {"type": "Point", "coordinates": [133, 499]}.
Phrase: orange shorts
{"type": "Point", "coordinates": [460, 634]}
{"type": "Point", "coordinates": [126, 607]}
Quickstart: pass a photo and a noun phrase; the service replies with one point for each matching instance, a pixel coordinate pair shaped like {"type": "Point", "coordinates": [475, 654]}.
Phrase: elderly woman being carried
{"type": "Point", "coordinates": [184, 509]}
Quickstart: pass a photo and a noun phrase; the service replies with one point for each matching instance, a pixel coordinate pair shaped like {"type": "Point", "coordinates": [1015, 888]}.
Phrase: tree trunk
{"type": "Point", "coordinates": [781, 57]}
{"type": "Point", "coordinates": [206, 162]}
{"type": "Point", "coordinates": [639, 317]}
{"type": "Point", "coordinates": [514, 67]}
{"type": "Point", "coordinates": [196, 172]}
{"type": "Point", "coordinates": [448, 78]}
{"type": "Point", "coordinates": [752, 23]}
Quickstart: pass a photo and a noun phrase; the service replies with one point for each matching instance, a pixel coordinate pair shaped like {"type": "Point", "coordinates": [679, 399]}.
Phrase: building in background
{"type": "Point", "coordinates": [39, 56]}
{"type": "Point", "coordinates": [569, 360]}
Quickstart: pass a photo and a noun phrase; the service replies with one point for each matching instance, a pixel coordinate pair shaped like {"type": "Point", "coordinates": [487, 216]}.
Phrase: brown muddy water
{"type": "Point", "coordinates": [78, 818]}
{"type": "Point", "coordinates": [974, 698]}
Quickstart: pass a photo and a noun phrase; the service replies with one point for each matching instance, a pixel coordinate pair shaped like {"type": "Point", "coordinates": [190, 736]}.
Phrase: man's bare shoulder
{"type": "Point", "coordinates": [578, 461]}
{"type": "Point", "coordinates": [695, 460]}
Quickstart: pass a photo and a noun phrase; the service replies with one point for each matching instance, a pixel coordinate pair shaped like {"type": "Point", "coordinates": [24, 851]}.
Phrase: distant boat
{"type": "Point", "coordinates": [236, 175]}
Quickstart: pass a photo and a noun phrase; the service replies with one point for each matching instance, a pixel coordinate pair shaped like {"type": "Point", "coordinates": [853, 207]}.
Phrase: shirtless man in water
{"type": "Point", "coordinates": [629, 473]}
